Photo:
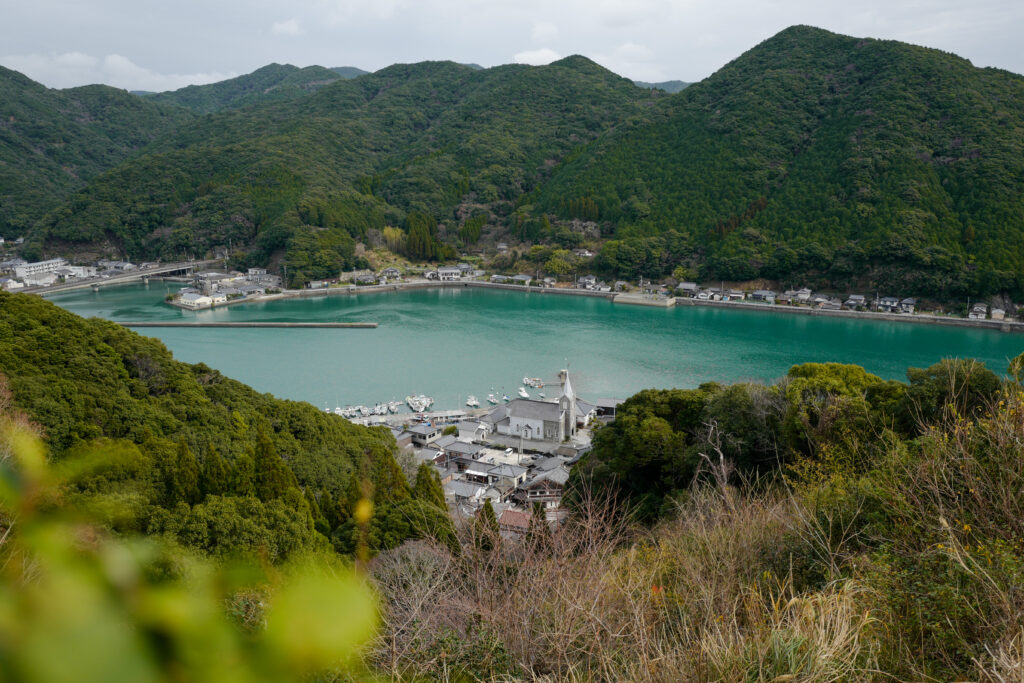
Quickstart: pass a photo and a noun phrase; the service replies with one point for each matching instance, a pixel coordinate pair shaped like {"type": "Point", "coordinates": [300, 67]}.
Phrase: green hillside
{"type": "Point", "coordinates": [195, 456]}
{"type": "Point", "coordinates": [269, 83]}
{"type": "Point", "coordinates": [813, 159]}
{"type": "Point", "coordinates": [52, 142]}
{"type": "Point", "coordinates": [410, 144]}
{"type": "Point", "coordinates": [667, 86]}
{"type": "Point", "coordinates": [821, 159]}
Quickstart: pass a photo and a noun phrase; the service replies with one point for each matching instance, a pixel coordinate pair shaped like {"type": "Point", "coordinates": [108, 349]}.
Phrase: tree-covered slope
{"type": "Point", "coordinates": [309, 176]}
{"type": "Point", "coordinates": [820, 154]}
{"type": "Point", "coordinates": [268, 83]}
{"type": "Point", "coordinates": [196, 456]}
{"type": "Point", "coordinates": [667, 86]}
{"type": "Point", "coordinates": [52, 142]}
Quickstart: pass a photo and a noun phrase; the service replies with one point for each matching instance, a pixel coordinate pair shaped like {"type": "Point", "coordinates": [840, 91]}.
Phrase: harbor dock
{"type": "Point", "coordinates": [252, 323]}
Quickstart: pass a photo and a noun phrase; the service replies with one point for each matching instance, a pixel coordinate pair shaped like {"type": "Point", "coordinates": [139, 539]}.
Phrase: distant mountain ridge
{"type": "Point", "coordinates": [269, 83]}
{"type": "Point", "coordinates": [813, 158]}
{"type": "Point", "coordinates": [668, 86]}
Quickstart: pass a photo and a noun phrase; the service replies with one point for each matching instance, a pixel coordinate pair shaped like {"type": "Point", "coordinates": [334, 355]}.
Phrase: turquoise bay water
{"type": "Point", "coordinates": [449, 343]}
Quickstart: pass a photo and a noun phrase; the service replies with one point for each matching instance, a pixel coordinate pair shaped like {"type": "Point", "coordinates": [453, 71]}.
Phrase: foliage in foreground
{"type": "Point", "coordinates": [83, 604]}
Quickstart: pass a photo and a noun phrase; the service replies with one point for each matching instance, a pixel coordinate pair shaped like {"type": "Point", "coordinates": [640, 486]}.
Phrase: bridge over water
{"type": "Point", "coordinates": [183, 267]}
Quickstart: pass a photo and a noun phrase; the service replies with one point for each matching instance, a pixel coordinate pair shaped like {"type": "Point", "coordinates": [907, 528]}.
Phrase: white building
{"type": "Point", "coordinates": [38, 268]}
{"type": "Point", "coordinates": [449, 273]}
{"type": "Point", "coordinates": [195, 300]}
{"type": "Point", "coordinates": [39, 279]}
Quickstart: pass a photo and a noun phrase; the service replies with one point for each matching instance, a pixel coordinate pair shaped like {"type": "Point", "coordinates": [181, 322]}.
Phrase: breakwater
{"type": "Point", "coordinates": [248, 323]}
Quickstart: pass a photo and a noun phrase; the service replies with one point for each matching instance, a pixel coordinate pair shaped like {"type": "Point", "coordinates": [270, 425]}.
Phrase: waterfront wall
{"type": "Point", "coordinates": [1001, 325]}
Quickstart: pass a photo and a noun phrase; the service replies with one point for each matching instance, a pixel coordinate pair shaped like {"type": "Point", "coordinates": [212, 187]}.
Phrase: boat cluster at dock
{"type": "Point", "coordinates": [419, 403]}
{"type": "Point", "coordinates": [493, 399]}
{"type": "Point", "coordinates": [365, 411]}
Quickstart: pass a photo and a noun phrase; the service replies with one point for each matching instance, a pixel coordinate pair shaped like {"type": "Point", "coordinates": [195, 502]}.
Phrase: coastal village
{"type": "Point", "coordinates": [516, 454]}
{"type": "Point", "coordinates": [206, 289]}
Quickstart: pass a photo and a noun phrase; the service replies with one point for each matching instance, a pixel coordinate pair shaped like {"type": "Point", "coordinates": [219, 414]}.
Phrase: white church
{"type": "Point", "coordinates": [553, 420]}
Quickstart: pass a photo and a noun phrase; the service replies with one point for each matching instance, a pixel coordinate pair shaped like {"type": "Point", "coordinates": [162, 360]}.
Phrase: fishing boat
{"type": "Point", "coordinates": [472, 402]}
{"type": "Point", "coordinates": [505, 398]}
{"type": "Point", "coordinates": [535, 382]}
{"type": "Point", "coordinates": [491, 399]}
{"type": "Point", "coordinates": [522, 393]}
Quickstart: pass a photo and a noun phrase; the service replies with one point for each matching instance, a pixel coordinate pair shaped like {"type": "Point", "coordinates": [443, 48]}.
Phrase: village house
{"type": "Point", "coordinates": [908, 304]}
{"type": "Point", "coordinates": [546, 488]}
{"type": "Point", "coordinates": [583, 253]}
{"type": "Point", "coordinates": [10, 284]}
{"type": "Point", "coordinates": [978, 312]}
{"type": "Point", "coordinates": [802, 296]}
{"type": "Point", "coordinates": [854, 301]}
{"type": "Point", "coordinates": [449, 273]}
{"type": "Point", "coordinates": [998, 314]}
{"type": "Point", "coordinates": [521, 279]}
{"type": "Point", "coordinates": [586, 282]}
{"type": "Point", "coordinates": [502, 247]}
{"type": "Point", "coordinates": [465, 268]}
{"type": "Point", "coordinates": [688, 289]}
{"type": "Point", "coordinates": [888, 304]}
{"type": "Point", "coordinates": [501, 279]}
{"type": "Point", "coordinates": [514, 521]}
{"type": "Point", "coordinates": [423, 434]}
{"type": "Point", "coordinates": [391, 273]}
{"type": "Point", "coordinates": [734, 295]}
{"type": "Point", "coordinates": [764, 295]}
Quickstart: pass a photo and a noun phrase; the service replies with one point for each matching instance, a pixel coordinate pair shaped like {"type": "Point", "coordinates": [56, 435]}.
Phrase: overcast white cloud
{"type": "Point", "coordinates": [290, 27]}
{"type": "Point", "coordinates": [159, 46]}
{"type": "Point", "coordinates": [544, 55]}
{"type": "Point", "coordinates": [74, 68]}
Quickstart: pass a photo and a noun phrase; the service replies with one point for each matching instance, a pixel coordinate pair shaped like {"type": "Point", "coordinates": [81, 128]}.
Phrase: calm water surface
{"type": "Point", "coordinates": [450, 343]}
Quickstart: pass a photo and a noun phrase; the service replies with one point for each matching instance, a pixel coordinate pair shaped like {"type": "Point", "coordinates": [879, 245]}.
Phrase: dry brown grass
{"type": "Point", "coordinates": [605, 602]}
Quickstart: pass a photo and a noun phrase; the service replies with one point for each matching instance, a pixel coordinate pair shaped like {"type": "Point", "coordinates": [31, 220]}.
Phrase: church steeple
{"type": "Point", "coordinates": [567, 403]}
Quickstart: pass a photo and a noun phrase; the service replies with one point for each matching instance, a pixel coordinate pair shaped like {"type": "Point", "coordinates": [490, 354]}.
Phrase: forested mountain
{"type": "Point", "coordinates": [269, 83]}
{"type": "Point", "coordinates": [667, 86]}
{"type": "Point", "coordinates": [813, 159]}
{"type": "Point", "coordinates": [819, 158]}
{"type": "Point", "coordinates": [190, 454]}
{"type": "Point", "coordinates": [410, 145]}
{"type": "Point", "coordinates": [52, 142]}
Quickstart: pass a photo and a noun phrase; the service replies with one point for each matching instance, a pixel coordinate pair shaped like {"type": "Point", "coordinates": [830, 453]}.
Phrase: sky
{"type": "Point", "coordinates": [147, 45]}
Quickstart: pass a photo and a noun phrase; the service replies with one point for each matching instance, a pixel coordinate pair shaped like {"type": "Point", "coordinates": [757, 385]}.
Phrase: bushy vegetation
{"type": "Point", "coordinates": [196, 457]}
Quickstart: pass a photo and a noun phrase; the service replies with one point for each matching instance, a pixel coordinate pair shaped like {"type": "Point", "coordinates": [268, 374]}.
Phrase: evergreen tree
{"type": "Point", "coordinates": [486, 531]}
{"type": "Point", "coordinates": [215, 480]}
{"type": "Point", "coordinates": [273, 478]}
{"type": "Point", "coordinates": [389, 483]}
{"type": "Point", "coordinates": [185, 485]}
{"type": "Point", "coordinates": [243, 478]}
{"type": "Point", "coordinates": [329, 509]}
{"type": "Point", "coordinates": [427, 487]}
{"type": "Point", "coordinates": [538, 533]}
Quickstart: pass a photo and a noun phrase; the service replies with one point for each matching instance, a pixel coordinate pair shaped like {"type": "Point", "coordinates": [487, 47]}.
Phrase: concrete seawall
{"type": "Point", "coordinates": [1000, 325]}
